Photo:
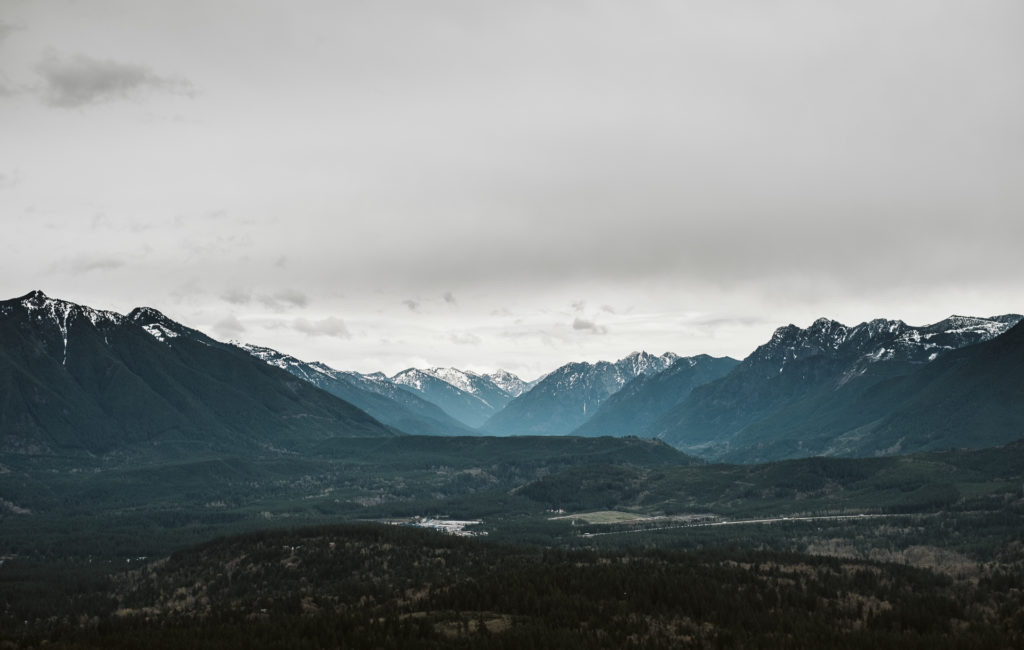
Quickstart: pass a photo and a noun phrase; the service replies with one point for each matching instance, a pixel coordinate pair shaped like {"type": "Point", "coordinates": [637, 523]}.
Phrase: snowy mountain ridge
{"type": "Point", "coordinates": [878, 340]}
{"type": "Point", "coordinates": [39, 305]}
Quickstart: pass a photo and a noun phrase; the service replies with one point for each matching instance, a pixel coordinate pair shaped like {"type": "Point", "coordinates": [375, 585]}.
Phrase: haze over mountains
{"type": "Point", "coordinates": [373, 393]}
{"type": "Point", "coordinates": [567, 397]}
{"type": "Point", "coordinates": [82, 380]}
{"type": "Point", "coordinates": [642, 401]}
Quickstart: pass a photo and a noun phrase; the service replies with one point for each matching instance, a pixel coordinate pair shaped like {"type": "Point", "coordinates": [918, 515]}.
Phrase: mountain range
{"type": "Point", "coordinates": [79, 380]}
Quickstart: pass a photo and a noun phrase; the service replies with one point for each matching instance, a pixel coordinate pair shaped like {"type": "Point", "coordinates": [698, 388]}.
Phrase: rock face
{"type": "Point", "coordinates": [79, 380]}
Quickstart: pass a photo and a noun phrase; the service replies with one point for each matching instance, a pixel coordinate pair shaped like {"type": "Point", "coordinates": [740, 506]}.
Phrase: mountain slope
{"type": "Point", "coordinates": [811, 376]}
{"type": "Point", "coordinates": [567, 397]}
{"type": "Point", "coordinates": [970, 398]}
{"type": "Point", "coordinates": [380, 398]}
{"type": "Point", "coordinates": [647, 397]}
{"type": "Point", "coordinates": [75, 379]}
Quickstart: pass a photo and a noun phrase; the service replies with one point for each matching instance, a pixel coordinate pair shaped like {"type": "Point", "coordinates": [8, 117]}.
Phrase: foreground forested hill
{"type": "Point", "coordinates": [393, 587]}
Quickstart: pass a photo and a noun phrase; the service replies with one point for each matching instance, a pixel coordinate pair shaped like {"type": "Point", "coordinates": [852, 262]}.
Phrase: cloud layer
{"type": "Point", "coordinates": [330, 326]}
{"type": "Point", "coordinates": [80, 80]}
{"type": "Point", "coordinates": [520, 184]}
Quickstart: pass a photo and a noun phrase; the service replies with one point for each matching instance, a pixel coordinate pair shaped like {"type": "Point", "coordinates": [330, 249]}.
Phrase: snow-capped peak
{"type": "Point", "coordinates": [644, 363]}
{"type": "Point", "coordinates": [146, 315]}
{"type": "Point", "coordinates": [508, 382]}
{"type": "Point", "coordinates": [34, 298]}
{"type": "Point", "coordinates": [61, 311]}
{"type": "Point", "coordinates": [59, 314]}
{"type": "Point", "coordinates": [878, 340]}
{"type": "Point", "coordinates": [411, 377]}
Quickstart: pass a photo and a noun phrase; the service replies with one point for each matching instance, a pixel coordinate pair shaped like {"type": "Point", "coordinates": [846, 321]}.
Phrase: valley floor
{"type": "Point", "coordinates": [589, 544]}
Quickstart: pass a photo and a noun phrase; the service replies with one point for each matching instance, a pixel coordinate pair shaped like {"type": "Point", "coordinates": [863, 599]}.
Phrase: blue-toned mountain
{"type": "Point", "coordinates": [804, 387]}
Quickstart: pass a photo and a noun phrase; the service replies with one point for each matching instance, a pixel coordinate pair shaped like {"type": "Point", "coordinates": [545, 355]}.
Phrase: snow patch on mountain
{"type": "Point", "coordinates": [160, 332]}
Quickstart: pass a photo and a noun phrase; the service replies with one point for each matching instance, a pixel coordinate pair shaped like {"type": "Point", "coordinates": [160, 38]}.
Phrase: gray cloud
{"type": "Point", "coordinates": [6, 29]}
{"type": "Point", "coordinates": [449, 297]}
{"type": "Point", "coordinates": [555, 338]}
{"type": "Point", "coordinates": [413, 305]}
{"type": "Point", "coordinates": [330, 326]}
{"type": "Point", "coordinates": [229, 327]}
{"type": "Point", "coordinates": [715, 322]}
{"type": "Point", "coordinates": [236, 297]}
{"type": "Point", "coordinates": [90, 264]}
{"type": "Point", "coordinates": [464, 338]}
{"type": "Point", "coordinates": [579, 305]}
{"type": "Point", "coordinates": [82, 80]}
{"type": "Point", "coordinates": [589, 326]}
{"type": "Point", "coordinates": [284, 300]}
{"type": "Point", "coordinates": [7, 181]}
{"type": "Point", "coordinates": [292, 297]}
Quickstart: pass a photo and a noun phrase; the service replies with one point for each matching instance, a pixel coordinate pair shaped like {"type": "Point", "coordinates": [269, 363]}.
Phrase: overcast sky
{"type": "Point", "coordinates": [384, 184]}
